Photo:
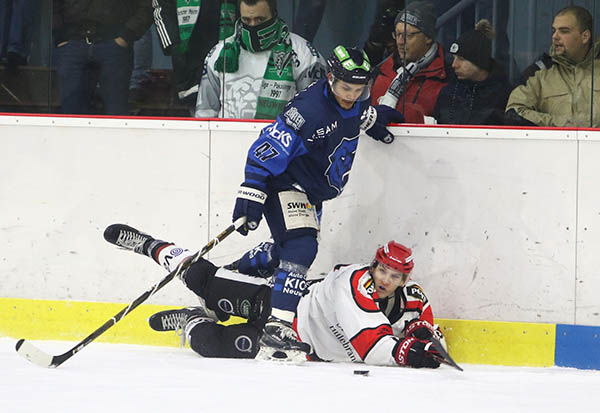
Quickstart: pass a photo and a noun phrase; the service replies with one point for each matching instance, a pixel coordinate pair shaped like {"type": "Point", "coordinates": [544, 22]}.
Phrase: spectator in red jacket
{"type": "Point", "coordinates": [411, 79]}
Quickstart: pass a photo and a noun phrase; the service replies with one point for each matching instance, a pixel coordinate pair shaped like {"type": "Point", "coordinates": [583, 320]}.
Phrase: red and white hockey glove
{"type": "Point", "coordinates": [416, 353]}
{"type": "Point", "coordinates": [420, 329]}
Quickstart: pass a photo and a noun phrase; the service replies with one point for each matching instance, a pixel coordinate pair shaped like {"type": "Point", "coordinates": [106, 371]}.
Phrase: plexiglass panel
{"type": "Point", "coordinates": [478, 62]}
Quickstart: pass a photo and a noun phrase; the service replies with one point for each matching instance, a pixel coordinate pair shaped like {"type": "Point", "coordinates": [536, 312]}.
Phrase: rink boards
{"type": "Point", "coordinates": [504, 223]}
{"type": "Point", "coordinates": [472, 342]}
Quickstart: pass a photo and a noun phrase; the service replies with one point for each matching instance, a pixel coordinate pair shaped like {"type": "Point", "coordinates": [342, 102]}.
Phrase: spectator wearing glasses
{"type": "Point", "coordinates": [411, 79]}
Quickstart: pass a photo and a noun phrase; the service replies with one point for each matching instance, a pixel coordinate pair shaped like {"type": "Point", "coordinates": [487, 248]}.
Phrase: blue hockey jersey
{"type": "Point", "coordinates": [311, 144]}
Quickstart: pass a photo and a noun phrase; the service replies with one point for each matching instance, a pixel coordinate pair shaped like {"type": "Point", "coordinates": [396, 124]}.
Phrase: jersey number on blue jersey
{"type": "Point", "coordinates": [265, 152]}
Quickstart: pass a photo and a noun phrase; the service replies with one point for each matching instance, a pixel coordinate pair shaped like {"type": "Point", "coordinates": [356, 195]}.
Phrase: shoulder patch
{"type": "Point", "coordinates": [363, 290]}
{"type": "Point", "coordinates": [415, 291]}
{"type": "Point", "coordinates": [293, 118]}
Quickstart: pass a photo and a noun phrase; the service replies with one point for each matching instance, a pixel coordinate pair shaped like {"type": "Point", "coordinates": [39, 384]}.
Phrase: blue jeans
{"type": "Point", "coordinates": [142, 61]}
{"type": "Point", "coordinates": [84, 69]}
{"type": "Point", "coordinates": [16, 24]}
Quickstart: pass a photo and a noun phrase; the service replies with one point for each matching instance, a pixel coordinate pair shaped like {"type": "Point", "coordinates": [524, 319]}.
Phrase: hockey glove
{"type": "Point", "coordinates": [249, 203]}
{"type": "Point", "coordinates": [420, 329]}
{"type": "Point", "coordinates": [375, 119]}
{"type": "Point", "coordinates": [416, 353]}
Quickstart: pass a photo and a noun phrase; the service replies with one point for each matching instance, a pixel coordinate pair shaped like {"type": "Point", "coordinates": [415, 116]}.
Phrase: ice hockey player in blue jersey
{"type": "Point", "coordinates": [297, 162]}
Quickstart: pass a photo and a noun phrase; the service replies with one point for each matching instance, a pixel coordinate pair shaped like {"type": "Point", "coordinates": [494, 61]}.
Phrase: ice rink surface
{"type": "Point", "coordinates": [126, 378]}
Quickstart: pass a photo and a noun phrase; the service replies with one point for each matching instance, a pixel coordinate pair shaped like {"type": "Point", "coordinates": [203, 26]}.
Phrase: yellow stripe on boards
{"type": "Point", "coordinates": [75, 320]}
{"type": "Point", "coordinates": [475, 342]}
{"type": "Point", "coordinates": [499, 342]}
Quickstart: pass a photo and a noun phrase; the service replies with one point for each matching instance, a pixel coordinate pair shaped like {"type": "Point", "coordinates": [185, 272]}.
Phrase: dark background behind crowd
{"type": "Point", "coordinates": [166, 85]}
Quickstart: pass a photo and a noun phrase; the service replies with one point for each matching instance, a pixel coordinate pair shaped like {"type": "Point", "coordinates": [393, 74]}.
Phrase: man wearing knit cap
{"type": "Point", "coordinates": [478, 94]}
{"type": "Point", "coordinates": [411, 79]}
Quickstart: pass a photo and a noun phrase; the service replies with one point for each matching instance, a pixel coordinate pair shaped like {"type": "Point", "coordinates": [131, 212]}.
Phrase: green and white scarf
{"type": "Point", "coordinates": [278, 85]}
{"type": "Point", "coordinates": [187, 16]}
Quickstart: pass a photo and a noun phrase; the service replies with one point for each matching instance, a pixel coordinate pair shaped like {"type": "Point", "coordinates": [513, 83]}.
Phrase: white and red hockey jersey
{"type": "Point", "coordinates": [343, 319]}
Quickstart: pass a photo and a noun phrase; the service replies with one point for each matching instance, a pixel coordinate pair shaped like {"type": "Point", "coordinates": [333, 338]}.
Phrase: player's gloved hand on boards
{"type": "Point", "coordinates": [375, 120]}
{"type": "Point", "coordinates": [416, 353]}
{"type": "Point", "coordinates": [249, 203]}
{"type": "Point", "coordinates": [420, 329]}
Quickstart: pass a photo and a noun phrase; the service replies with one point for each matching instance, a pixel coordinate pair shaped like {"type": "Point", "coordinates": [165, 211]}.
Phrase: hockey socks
{"type": "Point", "coordinates": [289, 285]}
{"type": "Point", "coordinates": [170, 256]}
{"type": "Point", "coordinates": [260, 261]}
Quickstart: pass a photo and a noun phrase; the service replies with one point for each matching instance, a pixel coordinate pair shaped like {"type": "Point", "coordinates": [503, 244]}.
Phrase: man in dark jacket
{"type": "Point", "coordinates": [94, 48]}
{"type": "Point", "coordinates": [478, 93]}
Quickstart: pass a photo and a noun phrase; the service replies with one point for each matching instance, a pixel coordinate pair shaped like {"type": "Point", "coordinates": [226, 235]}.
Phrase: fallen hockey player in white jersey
{"type": "Point", "coordinates": [369, 313]}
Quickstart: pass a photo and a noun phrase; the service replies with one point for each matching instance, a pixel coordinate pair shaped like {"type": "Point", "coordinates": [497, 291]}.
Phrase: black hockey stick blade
{"type": "Point", "coordinates": [37, 356]}
{"type": "Point", "coordinates": [443, 357]}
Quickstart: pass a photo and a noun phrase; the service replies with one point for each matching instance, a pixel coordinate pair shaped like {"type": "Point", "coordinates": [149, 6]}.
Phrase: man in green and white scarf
{"type": "Point", "coordinates": [254, 72]}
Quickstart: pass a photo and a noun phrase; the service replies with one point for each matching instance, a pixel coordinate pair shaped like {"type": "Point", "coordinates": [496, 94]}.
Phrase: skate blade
{"type": "Point", "coordinates": [287, 356]}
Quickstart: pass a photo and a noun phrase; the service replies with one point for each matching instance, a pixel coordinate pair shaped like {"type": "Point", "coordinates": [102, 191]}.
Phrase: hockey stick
{"type": "Point", "coordinates": [443, 356]}
{"type": "Point", "coordinates": [37, 356]}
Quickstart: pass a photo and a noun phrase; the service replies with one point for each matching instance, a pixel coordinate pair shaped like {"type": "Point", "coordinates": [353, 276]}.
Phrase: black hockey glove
{"type": "Point", "coordinates": [420, 329]}
{"type": "Point", "coordinates": [375, 120]}
{"type": "Point", "coordinates": [416, 353]}
{"type": "Point", "coordinates": [249, 203]}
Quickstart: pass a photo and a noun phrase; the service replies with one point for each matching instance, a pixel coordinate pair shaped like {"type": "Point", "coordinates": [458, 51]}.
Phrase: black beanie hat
{"type": "Point", "coordinates": [420, 14]}
{"type": "Point", "coordinates": [476, 45]}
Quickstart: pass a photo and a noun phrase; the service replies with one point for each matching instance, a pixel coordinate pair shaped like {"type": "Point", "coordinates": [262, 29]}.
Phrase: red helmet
{"type": "Point", "coordinates": [396, 256]}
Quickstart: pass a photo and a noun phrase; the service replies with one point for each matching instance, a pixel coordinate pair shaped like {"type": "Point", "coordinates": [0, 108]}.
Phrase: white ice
{"type": "Point", "coordinates": [140, 379]}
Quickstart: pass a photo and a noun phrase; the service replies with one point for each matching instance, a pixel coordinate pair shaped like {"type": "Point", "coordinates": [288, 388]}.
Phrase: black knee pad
{"type": "Point", "coordinates": [216, 340]}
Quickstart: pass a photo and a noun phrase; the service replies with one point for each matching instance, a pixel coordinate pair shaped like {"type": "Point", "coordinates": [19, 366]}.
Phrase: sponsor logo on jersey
{"type": "Point", "coordinates": [293, 118]}
{"type": "Point", "coordinates": [295, 284]}
{"type": "Point", "coordinates": [338, 333]}
{"type": "Point", "coordinates": [285, 138]}
{"type": "Point", "coordinates": [363, 290]}
{"type": "Point", "coordinates": [416, 292]}
{"type": "Point", "coordinates": [325, 131]}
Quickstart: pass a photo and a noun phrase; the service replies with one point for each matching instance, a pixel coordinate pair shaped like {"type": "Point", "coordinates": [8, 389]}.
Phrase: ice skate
{"type": "Point", "coordinates": [128, 238]}
{"type": "Point", "coordinates": [181, 321]}
{"type": "Point", "coordinates": [280, 342]}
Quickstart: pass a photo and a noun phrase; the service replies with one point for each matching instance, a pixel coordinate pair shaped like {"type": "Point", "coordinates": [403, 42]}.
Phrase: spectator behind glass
{"type": "Point", "coordinates": [187, 31]}
{"type": "Point", "coordinates": [139, 83]}
{"type": "Point", "coordinates": [16, 24]}
{"type": "Point", "coordinates": [308, 18]}
{"type": "Point", "coordinates": [411, 79]}
{"type": "Point", "coordinates": [381, 43]}
{"type": "Point", "coordinates": [257, 74]}
{"type": "Point", "coordinates": [94, 50]}
{"type": "Point", "coordinates": [478, 93]}
{"type": "Point", "coordinates": [562, 94]}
